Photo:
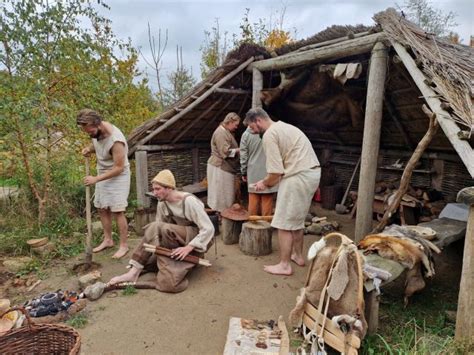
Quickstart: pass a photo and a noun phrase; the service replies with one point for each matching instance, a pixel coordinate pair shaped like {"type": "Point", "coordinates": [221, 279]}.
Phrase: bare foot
{"type": "Point", "coordinates": [278, 269]}
{"type": "Point", "coordinates": [104, 245]}
{"type": "Point", "coordinates": [130, 276]}
{"type": "Point", "coordinates": [120, 253]}
{"type": "Point", "coordinates": [298, 260]}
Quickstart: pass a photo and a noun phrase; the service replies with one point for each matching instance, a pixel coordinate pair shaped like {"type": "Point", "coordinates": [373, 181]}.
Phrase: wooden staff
{"type": "Point", "coordinates": [167, 252]}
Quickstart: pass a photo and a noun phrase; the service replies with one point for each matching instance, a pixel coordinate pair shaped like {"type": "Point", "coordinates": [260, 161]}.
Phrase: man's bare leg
{"type": "Point", "coordinates": [297, 252]}
{"type": "Point", "coordinates": [123, 232]}
{"type": "Point", "coordinates": [283, 267]}
{"type": "Point", "coordinates": [130, 276]}
{"type": "Point", "coordinates": [106, 220]}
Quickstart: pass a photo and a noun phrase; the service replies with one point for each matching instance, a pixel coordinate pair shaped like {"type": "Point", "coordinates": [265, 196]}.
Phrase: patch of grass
{"type": "Point", "coordinates": [295, 343]}
{"type": "Point", "coordinates": [129, 290]}
{"type": "Point", "coordinates": [33, 266]}
{"type": "Point", "coordinates": [420, 328]}
{"type": "Point", "coordinates": [77, 321]}
{"type": "Point", "coordinates": [101, 308]}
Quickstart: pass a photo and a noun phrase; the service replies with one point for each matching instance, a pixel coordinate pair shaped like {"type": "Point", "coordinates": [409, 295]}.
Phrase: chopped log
{"type": "Point", "coordinates": [256, 238]}
{"type": "Point", "coordinates": [230, 231]}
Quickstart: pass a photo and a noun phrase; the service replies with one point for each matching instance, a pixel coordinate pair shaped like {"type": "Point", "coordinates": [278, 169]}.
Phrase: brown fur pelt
{"type": "Point", "coordinates": [415, 255]}
{"type": "Point", "coordinates": [314, 99]}
{"type": "Point", "coordinates": [348, 302]}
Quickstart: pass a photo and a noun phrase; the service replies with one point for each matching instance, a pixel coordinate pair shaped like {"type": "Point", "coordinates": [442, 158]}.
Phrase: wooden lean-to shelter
{"type": "Point", "coordinates": [356, 92]}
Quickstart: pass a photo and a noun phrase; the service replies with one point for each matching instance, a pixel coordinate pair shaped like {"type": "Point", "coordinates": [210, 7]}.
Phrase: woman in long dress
{"type": "Point", "coordinates": [223, 164]}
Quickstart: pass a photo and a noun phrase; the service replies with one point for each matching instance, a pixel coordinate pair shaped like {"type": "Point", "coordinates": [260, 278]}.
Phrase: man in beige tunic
{"type": "Point", "coordinates": [182, 225]}
{"type": "Point", "coordinates": [112, 183]}
{"type": "Point", "coordinates": [292, 161]}
{"type": "Point", "coordinates": [223, 164]}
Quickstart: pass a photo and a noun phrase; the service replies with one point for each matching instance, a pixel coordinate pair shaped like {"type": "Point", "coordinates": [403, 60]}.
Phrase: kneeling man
{"type": "Point", "coordinates": [182, 225]}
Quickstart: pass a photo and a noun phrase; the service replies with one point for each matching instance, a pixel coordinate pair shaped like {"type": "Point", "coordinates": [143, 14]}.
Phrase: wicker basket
{"type": "Point", "coordinates": [40, 338]}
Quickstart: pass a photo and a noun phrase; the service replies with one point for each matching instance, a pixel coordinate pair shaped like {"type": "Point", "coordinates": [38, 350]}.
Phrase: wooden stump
{"type": "Point", "coordinates": [256, 238]}
{"type": "Point", "coordinates": [230, 231]}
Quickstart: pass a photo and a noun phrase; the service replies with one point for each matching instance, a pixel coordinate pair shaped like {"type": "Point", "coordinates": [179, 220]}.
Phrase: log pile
{"type": "Point", "coordinates": [428, 203]}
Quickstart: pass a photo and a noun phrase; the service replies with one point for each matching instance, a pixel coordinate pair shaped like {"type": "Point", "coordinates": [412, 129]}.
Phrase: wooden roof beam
{"type": "Point", "coordinates": [450, 128]}
{"type": "Point", "coordinates": [191, 106]}
{"type": "Point", "coordinates": [196, 120]}
{"type": "Point", "coordinates": [232, 91]}
{"type": "Point", "coordinates": [342, 49]}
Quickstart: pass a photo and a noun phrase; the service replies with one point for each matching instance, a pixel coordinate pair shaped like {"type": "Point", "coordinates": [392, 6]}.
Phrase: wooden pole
{"type": "Point", "coordinates": [88, 259]}
{"type": "Point", "coordinates": [464, 317]}
{"type": "Point", "coordinates": [408, 171]}
{"type": "Point", "coordinates": [141, 168]}
{"type": "Point", "coordinates": [257, 86]}
{"type": "Point", "coordinates": [333, 51]}
{"type": "Point", "coordinates": [195, 155]}
{"type": "Point", "coordinates": [371, 140]}
{"type": "Point", "coordinates": [450, 128]}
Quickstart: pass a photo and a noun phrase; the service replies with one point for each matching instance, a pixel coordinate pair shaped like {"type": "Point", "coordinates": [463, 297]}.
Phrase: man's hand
{"type": "Point", "coordinates": [86, 152]}
{"type": "Point", "coordinates": [90, 180]}
{"type": "Point", "coordinates": [182, 252]}
{"type": "Point", "coordinates": [260, 186]}
{"type": "Point", "coordinates": [244, 178]}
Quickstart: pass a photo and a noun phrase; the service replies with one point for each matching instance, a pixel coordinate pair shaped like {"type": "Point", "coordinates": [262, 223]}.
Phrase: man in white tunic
{"type": "Point", "coordinates": [113, 176]}
{"type": "Point", "coordinates": [182, 225]}
{"type": "Point", "coordinates": [291, 161]}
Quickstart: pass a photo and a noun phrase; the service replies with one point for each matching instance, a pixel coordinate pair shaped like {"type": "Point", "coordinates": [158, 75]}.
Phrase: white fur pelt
{"type": "Point", "coordinates": [315, 248]}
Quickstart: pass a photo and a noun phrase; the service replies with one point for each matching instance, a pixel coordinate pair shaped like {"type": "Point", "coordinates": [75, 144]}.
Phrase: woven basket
{"type": "Point", "coordinates": [40, 338]}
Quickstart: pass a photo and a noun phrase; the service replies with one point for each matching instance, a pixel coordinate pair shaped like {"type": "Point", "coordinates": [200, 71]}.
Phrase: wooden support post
{"type": "Point", "coordinates": [257, 86]}
{"type": "Point", "coordinates": [141, 168]}
{"type": "Point", "coordinates": [372, 302]}
{"type": "Point", "coordinates": [371, 140]}
{"type": "Point", "coordinates": [256, 238]}
{"type": "Point", "coordinates": [464, 318]}
{"type": "Point", "coordinates": [195, 155]}
{"type": "Point", "coordinates": [230, 231]}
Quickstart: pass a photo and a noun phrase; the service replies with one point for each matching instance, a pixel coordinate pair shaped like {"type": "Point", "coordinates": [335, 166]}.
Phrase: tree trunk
{"type": "Point", "coordinates": [256, 238]}
{"type": "Point", "coordinates": [230, 231]}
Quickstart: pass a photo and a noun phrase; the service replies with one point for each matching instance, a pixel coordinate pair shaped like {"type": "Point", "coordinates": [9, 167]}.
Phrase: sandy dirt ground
{"type": "Point", "coordinates": [196, 320]}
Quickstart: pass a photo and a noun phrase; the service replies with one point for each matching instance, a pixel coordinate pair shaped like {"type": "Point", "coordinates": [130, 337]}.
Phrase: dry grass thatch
{"type": "Point", "coordinates": [449, 66]}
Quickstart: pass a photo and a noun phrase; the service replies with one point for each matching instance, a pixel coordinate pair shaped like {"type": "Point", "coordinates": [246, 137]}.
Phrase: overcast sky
{"type": "Point", "coordinates": [186, 21]}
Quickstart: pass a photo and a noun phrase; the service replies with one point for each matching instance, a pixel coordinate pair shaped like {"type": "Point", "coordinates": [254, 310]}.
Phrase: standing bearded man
{"type": "Point", "coordinates": [292, 162]}
{"type": "Point", "coordinates": [113, 176]}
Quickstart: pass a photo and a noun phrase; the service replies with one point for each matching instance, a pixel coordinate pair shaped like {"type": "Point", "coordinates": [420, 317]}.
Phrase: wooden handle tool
{"type": "Point", "coordinates": [167, 252]}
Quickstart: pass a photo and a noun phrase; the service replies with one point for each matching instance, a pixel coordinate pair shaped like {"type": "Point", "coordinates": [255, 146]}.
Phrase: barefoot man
{"type": "Point", "coordinates": [182, 225]}
{"type": "Point", "coordinates": [291, 161]}
{"type": "Point", "coordinates": [112, 183]}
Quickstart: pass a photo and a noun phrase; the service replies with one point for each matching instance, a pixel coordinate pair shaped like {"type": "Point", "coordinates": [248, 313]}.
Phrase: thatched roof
{"type": "Point", "coordinates": [449, 68]}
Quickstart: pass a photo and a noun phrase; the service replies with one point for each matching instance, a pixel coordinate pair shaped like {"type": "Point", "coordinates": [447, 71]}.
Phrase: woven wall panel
{"type": "Point", "coordinates": [180, 162]}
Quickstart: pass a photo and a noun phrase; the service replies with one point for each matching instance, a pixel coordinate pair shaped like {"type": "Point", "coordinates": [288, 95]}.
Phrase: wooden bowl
{"type": "Point", "coordinates": [424, 232]}
{"type": "Point", "coordinates": [39, 242]}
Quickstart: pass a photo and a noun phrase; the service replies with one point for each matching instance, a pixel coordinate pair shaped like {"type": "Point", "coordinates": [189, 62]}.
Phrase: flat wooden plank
{"type": "Point", "coordinates": [447, 230]}
{"type": "Point", "coordinates": [141, 168]}
{"type": "Point", "coordinates": [314, 314]}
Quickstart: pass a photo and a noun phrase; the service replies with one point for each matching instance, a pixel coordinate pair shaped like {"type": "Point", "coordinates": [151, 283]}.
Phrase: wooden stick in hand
{"type": "Point", "coordinates": [167, 252]}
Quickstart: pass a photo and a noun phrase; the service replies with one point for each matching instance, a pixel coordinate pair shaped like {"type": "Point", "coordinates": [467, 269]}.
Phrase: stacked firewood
{"type": "Point", "coordinates": [429, 202]}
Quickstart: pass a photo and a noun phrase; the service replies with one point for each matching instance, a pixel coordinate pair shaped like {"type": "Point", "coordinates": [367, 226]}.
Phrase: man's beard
{"type": "Point", "coordinates": [97, 135]}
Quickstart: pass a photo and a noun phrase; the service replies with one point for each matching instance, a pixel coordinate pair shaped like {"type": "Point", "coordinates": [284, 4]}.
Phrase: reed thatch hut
{"type": "Point", "coordinates": [370, 109]}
